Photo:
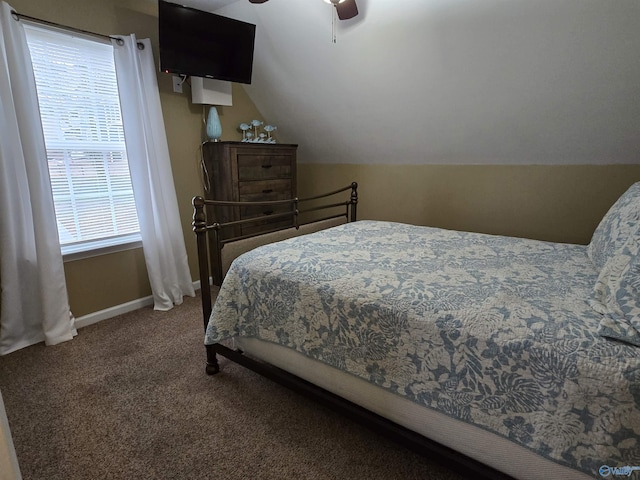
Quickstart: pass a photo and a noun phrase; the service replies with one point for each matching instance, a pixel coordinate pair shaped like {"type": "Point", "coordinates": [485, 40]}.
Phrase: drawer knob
{"type": "Point", "coordinates": [267, 190]}
{"type": "Point", "coordinates": [268, 212]}
{"type": "Point", "coordinates": [267, 166]}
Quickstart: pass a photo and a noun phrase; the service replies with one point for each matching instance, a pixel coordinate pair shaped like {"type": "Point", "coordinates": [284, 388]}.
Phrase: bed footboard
{"type": "Point", "coordinates": [307, 215]}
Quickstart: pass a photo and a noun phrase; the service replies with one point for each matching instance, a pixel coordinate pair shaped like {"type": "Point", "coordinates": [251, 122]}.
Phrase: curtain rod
{"type": "Point", "coordinates": [118, 40]}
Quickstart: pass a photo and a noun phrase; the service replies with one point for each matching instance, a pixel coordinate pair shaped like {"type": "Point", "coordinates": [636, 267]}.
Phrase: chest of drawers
{"type": "Point", "coordinates": [253, 172]}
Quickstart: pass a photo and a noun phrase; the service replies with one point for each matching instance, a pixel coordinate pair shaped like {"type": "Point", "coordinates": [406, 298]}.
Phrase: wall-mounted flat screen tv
{"type": "Point", "coordinates": [202, 44]}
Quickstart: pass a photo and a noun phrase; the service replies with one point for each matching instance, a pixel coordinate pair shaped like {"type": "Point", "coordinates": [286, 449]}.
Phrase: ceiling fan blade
{"type": "Point", "coordinates": [347, 9]}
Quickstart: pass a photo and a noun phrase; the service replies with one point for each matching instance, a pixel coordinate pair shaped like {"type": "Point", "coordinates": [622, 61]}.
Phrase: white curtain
{"type": "Point", "coordinates": [162, 240]}
{"type": "Point", "coordinates": [34, 304]}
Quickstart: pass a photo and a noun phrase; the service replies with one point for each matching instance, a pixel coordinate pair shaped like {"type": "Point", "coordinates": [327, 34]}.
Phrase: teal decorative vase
{"type": "Point", "coordinates": [214, 129]}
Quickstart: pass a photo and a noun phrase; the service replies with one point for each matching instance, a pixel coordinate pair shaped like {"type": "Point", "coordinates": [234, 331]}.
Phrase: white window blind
{"type": "Point", "coordinates": [80, 112]}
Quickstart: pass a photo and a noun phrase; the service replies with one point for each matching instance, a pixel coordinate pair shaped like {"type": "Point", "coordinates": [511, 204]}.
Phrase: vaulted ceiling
{"type": "Point", "coordinates": [449, 81]}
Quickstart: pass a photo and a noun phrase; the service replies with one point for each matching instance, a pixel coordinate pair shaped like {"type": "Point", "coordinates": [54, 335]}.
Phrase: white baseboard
{"type": "Point", "coordinates": [110, 312]}
{"type": "Point", "coordinates": [116, 310]}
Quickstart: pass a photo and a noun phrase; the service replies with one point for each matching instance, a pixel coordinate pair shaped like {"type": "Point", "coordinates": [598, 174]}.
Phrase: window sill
{"type": "Point", "coordinates": [70, 257]}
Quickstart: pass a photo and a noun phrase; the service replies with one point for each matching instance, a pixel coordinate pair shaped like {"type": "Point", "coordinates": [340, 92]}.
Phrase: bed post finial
{"type": "Point", "coordinates": [199, 219]}
{"type": "Point", "coordinates": [296, 213]}
{"type": "Point", "coordinates": [354, 201]}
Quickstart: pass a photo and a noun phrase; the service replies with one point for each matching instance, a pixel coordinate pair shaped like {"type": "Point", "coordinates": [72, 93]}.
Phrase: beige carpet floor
{"type": "Point", "coordinates": [128, 398]}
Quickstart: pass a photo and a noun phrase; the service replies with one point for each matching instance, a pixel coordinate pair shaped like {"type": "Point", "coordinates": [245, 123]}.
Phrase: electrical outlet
{"type": "Point", "coordinates": [177, 84]}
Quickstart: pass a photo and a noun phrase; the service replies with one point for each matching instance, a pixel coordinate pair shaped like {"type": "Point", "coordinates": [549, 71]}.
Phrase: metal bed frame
{"type": "Point", "coordinates": [210, 242]}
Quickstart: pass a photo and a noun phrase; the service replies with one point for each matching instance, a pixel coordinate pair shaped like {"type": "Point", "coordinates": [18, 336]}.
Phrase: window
{"type": "Point", "coordinates": [80, 113]}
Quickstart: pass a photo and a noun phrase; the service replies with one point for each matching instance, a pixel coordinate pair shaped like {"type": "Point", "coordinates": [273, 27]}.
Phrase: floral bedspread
{"type": "Point", "coordinates": [490, 330]}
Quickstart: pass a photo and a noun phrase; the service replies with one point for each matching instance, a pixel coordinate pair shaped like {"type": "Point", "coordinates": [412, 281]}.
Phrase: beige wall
{"type": "Point", "coordinates": [562, 203]}
{"type": "Point", "coordinates": [554, 203]}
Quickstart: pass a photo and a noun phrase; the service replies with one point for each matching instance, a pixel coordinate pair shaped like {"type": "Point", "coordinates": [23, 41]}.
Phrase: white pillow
{"type": "Point", "coordinates": [615, 228]}
{"type": "Point", "coordinates": [617, 294]}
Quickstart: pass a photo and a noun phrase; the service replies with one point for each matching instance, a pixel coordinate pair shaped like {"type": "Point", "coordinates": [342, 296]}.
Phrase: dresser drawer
{"type": "Point", "coordinates": [256, 191]}
{"type": "Point", "coordinates": [264, 210]}
{"type": "Point", "coordinates": [264, 167]}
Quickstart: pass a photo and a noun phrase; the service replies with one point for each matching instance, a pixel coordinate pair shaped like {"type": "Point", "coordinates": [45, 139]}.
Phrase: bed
{"type": "Point", "coordinates": [501, 357]}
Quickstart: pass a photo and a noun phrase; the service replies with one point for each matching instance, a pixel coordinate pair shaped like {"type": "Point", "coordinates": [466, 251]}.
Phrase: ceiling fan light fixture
{"type": "Point", "coordinates": [334, 2]}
